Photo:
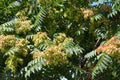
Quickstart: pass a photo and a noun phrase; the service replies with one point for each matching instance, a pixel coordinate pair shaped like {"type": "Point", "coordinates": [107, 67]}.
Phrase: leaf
{"type": "Point", "coordinates": [102, 64]}
{"type": "Point", "coordinates": [11, 51]}
{"type": "Point", "coordinates": [98, 17]}
{"type": "Point", "coordinates": [42, 46]}
{"type": "Point", "coordinates": [91, 54]}
{"type": "Point", "coordinates": [71, 48]}
{"type": "Point", "coordinates": [14, 4]}
{"type": "Point", "coordinates": [29, 37]}
{"type": "Point", "coordinates": [112, 14]}
{"type": "Point", "coordinates": [39, 19]}
{"type": "Point", "coordinates": [8, 26]}
{"type": "Point", "coordinates": [34, 65]}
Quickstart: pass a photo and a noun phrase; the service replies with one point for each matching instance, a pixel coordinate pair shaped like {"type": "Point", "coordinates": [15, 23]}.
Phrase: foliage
{"type": "Point", "coordinates": [54, 54]}
{"type": "Point", "coordinates": [56, 39]}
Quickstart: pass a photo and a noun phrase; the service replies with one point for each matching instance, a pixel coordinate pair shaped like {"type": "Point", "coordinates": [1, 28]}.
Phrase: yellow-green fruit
{"type": "Point", "coordinates": [54, 56]}
{"type": "Point", "coordinates": [22, 45]}
{"type": "Point", "coordinates": [38, 54]}
{"type": "Point", "coordinates": [60, 38]}
{"type": "Point", "coordinates": [6, 42]}
{"type": "Point", "coordinates": [22, 27]}
{"type": "Point", "coordinates": [40, 37]}
{"type": "Point", "coordinates": [111, 47]}
{"type": "Point", "coordinates": [12, 63]}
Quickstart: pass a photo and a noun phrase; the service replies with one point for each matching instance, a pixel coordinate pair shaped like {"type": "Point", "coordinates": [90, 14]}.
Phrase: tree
{"type": "Point", "coordinates": [54, 39]}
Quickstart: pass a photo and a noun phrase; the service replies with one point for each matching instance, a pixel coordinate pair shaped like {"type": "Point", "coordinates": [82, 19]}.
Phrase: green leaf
{"type": "Point", "coordinates": [34, 65]}
{"type": "Point", "coordinates": [102, 64]}
{"type": "Point", "coordinates": [11, 51]}
{"type": "Point", "coordinates": [14, 4]}
{"type": "Point", "coordinates": [91, 54]}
